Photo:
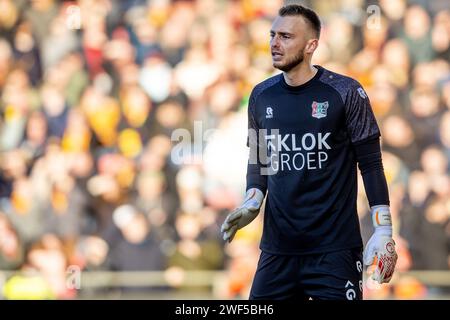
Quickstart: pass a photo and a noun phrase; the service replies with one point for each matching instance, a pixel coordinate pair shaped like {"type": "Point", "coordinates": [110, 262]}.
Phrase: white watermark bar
{"type": "Point", "coordinates": [270, 150]}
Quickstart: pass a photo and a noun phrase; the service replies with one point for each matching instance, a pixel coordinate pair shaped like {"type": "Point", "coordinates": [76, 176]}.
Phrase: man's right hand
{"type": "Point", "coordinates": [243, 215]}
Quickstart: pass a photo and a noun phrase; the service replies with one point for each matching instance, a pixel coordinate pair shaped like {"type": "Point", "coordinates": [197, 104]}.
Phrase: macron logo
{"type": "Point", "coordinates": [269, 113]}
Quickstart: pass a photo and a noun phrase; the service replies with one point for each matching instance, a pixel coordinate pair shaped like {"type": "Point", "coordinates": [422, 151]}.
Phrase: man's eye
{"type": "Point", "coordinates": [284, 36]}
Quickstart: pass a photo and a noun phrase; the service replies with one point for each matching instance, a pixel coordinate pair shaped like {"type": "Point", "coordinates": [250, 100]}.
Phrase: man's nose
{"type": "Point", "coordinates": [274, 42]}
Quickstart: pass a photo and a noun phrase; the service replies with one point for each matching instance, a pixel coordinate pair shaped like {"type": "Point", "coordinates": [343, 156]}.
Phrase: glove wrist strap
{"type": "Point", "coordinates": [381, 216]}
{"type": "Point", "coordinates": [253, 199]}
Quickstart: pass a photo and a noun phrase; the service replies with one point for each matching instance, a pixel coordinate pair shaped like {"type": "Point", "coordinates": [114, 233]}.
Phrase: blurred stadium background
{"type": "Point", "coordinates": [99, 198]}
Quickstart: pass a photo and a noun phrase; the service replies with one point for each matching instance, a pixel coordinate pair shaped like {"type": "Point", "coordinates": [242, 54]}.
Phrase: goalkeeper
{"type": "Point", "coordinates": [309, 129]}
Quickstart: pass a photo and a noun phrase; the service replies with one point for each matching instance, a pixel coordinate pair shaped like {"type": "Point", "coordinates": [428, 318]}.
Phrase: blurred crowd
{"type": "Point", "coordinates": [123, 130]}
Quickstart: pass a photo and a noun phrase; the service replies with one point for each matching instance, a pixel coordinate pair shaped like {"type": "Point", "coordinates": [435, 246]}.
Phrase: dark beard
{"type": "Point", "coordinates": [293, 63]}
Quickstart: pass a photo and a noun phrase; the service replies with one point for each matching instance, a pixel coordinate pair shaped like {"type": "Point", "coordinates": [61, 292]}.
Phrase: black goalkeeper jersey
{"type": "Point", "coordinates": [308, 133]}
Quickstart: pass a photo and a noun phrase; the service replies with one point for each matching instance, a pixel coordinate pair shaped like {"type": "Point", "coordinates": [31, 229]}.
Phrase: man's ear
{"type": "Point", "coordinates": [311, 45]}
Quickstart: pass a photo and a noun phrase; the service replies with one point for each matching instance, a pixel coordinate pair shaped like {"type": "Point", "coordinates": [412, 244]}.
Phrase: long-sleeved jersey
{"type": "Point", "coordinates": [309, 168]}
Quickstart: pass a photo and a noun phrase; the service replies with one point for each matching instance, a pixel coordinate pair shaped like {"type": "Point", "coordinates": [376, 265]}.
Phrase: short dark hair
{"type": "Point", "coordinates": [297, 10]}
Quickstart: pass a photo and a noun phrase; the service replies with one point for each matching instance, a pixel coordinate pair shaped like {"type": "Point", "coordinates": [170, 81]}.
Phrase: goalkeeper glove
{"type": "Point", "coordinates": [243, 215]}
{"type": "Point", "coordinates": [381, 245]}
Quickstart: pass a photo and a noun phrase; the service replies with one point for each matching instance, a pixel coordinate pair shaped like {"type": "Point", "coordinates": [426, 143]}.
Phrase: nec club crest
{"type": "Point", "coordinates": [319, 109]}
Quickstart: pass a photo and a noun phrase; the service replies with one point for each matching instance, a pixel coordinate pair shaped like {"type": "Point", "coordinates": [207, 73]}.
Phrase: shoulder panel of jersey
{"type": "Point", "coordinates": [262, 86]}
{"type": "Point", "coordinates": [361, 120]}
{"type": "Point", "coordinates": [257, 90]}
{"type": "Point", "coordinates": [342, 84]}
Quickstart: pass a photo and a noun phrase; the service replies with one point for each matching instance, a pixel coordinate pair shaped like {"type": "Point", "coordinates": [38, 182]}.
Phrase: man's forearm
{"type": "Point", "coordinates": [255, 179]}
{"type": "Point", "coordinates": [368, 155]}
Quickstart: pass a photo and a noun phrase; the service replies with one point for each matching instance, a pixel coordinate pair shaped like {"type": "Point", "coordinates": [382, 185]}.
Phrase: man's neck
{"type": "Point", "coordinates": [300, 74]}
